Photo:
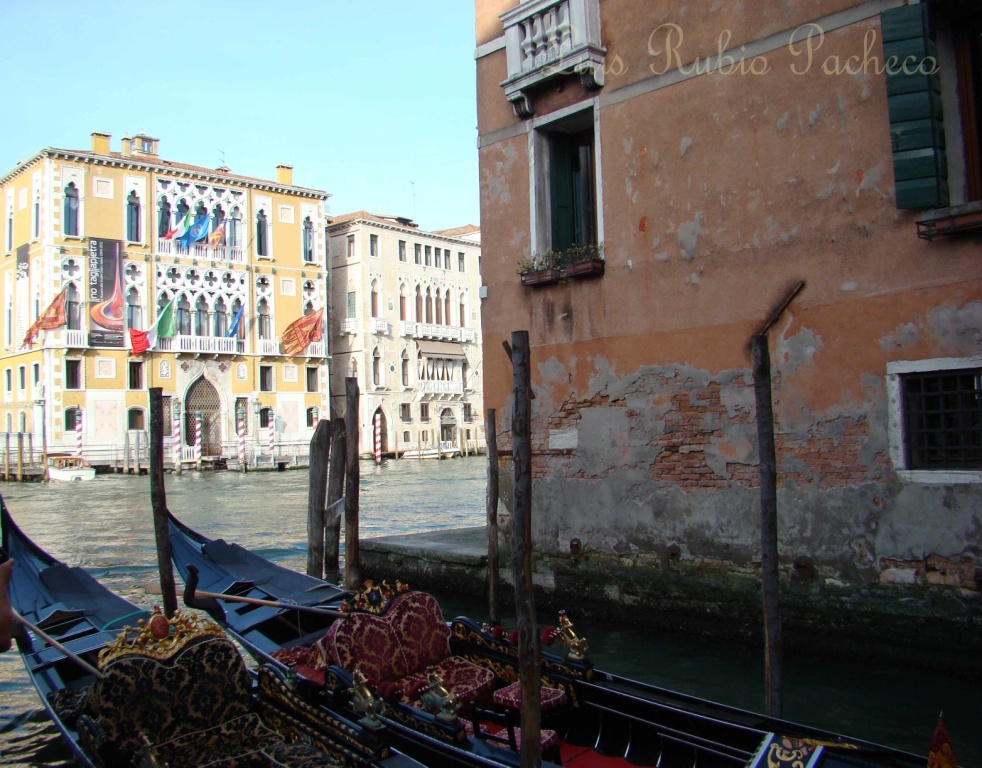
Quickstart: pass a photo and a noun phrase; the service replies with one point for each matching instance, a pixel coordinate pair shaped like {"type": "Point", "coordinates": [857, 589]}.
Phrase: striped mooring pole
{"type": "Point", "coordinates": [197, 436]}
{"type": "Point", "coordinates": [240, 427]}
{"type": "Point", "coordinates": [272, 430]}
{"type": "Point", "coordinates": [78, 432]}
{"type": "Point", "coordinates": [378, 438]}
{"type": "Point", "coordinates": [176, 435]}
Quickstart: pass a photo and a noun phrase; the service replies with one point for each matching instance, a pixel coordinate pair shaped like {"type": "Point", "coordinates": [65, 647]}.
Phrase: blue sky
{"type": "Point", "coordinates": [367, 100]}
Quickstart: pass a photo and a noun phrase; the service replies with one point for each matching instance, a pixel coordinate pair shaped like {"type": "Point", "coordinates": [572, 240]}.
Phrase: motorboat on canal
{"type": "Point", "coordinates": [68, 468]}
{"type": "Point", "coordinates": [346, 648]}
{"type": "Point", "coordinates": [161, 691]}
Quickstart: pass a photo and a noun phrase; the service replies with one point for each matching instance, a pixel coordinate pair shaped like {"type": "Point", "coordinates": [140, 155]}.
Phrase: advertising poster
{"type": "Point", "coordinates": [105, 293]}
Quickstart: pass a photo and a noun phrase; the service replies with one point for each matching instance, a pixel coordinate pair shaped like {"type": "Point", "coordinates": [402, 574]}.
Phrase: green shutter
{"type": "Point", "coordinates": [561, 191]}
{"type": "Point", "coordinates": [914, 103]}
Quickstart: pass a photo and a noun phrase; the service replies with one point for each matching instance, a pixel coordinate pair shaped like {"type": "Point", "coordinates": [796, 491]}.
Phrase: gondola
{"type": "Point", "coordinates": [175, 690]}
{"type": "Point", "coordinates": [591, 717]}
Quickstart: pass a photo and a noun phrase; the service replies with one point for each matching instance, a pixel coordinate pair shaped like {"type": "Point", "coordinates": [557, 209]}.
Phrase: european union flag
{"type": "Point", "coordinates": [195, 232]}
{"type": "Point", "coordinates": [234, 328]}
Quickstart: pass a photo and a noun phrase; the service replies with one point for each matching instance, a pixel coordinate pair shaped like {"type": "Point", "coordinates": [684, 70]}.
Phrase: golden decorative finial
{"type": "Point", "coordinates": [159, 637]}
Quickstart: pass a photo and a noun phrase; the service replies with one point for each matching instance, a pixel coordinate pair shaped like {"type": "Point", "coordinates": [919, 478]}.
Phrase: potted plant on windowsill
{"type": "Point", "coordinates": [539, 269]}
{"type": "Point", "coordinates": [582, 261]}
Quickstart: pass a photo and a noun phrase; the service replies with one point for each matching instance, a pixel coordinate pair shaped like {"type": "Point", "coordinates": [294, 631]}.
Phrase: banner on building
{"type": "Point", "coordinates": [302, 332]}
{"type": "Point", "coordinates": [22, 288]}
{"type": "Point", "coordinates": [107, 307]}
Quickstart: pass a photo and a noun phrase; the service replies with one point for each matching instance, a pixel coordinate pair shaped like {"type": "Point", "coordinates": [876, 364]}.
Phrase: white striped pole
{"type": "Point", "coordinates": [272, 430]}
{"type": "Point", "coordinates": [240, 417]}
{"type": "Point", "coordinates": [176, 434]}
{"type": "Point", "coordinates": [313, 421]}
{"type": "Point", "coordinates": [78, 432]}
{"type": "Point", "coordinates": [197, 436]}
{"type": "Point", "coordinates": [378, 438]}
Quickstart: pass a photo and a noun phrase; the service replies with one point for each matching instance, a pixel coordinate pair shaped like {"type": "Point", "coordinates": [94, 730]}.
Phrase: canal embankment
{"type": "Point", "coordinates": [933, 630]}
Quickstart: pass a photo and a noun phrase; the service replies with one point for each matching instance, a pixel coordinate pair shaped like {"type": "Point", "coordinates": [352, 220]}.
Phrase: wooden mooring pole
{"type": "Point", "coordinates": [320, 454]}
{"type": "Point", "coordinates": [158, 500]}
{"type": "Point", "coordinates": [492, 511]}
{"type": "Point", "coordinates": [521, 551]}
{"type": "Point", "coordinates": [335, 502]}
{"type": "Point", "coordinates": [352, 552]}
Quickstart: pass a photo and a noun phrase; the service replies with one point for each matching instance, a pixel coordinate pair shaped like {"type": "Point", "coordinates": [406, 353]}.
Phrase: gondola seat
{"type": "Point", "coordinates": [397, 649]}
{"type": "Point", "coordinates": [182, 702]}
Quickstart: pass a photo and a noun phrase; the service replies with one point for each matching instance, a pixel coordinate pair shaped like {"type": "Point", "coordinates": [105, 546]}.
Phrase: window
{"type": "Point", "coordinates": [134, 310]}
{"type": "Point", "coordinates": [133, 218]}
{"type": "Point", "coordinates": [936, 133]}
{"type": "Point", "coordinates": [405, 436]}
{"type": "Point", "coordinates": [374, 299]}
{"type": "Point", "coordinates": [8, 377]}
{"type": "Point", "coordinates": [405, 412]}
{"type": "Point", "coordinates": [232, 236]}
{"type": "Point", "coordinates": [73, 417]}
{"type": "Point", "coordinates": [312, 376]}
{"type": "Point", "coordinates": [37, 374]}
{"type": "Point", "coordinates": [201, 317]}
{"type": "Point", "coordinates": [163, 217]}
{"type": "Point", "coordinates": [265, 417]}
{"type": "Point", "coordinates": [265, 323]}
{"type": "Point", "coordinates": [352, 305]}
{"type": "Point", "coordinates": [468, 415]}
{"type": "Point", "coordinates": [405, 369]}
{"type": "Point", "coordinates": [424, 436]}
{"type": "Point", "coordinates": [135, 419]}
{"type": "Point", "coordinates": [22, 377]}
{"type": "Point", "coordinates": [437, 259]}
{"type": "Point", "coordinates": [265, 378]}
{"type": "Point", "coordinates": [417, 257]}
{"type": "Point", "coordinates": [70, 217]}
{"type": "Point", "coordinates": [36, 218]}
{"type": "Point", "coordinates": [424, 412]}
{"type": "Point", "coordinates": [217, 236]}
{"type": "Point", "coordinates": [462, 309]}
{"type": "Point", "coordinates": [308, 239]}
{"type": "Point", "coordinates": [262, 234]}
{"type": "Point", "coordinates": [182, 317]}
{"type": "Point", "coordinates": [312, 416]}
{"type": "Point", "coordinates": [219, 325]}
{"type": "Point", "coordinates": [402, 250]}
{"type": "Point", "coordinates": [402, 304]}
{"type": "Point", "coordinates": [373, 245]}
{"type": "Point", "coordinates": [73, 374]}
{"type": "Point", "coordinates": [427, 256]}
{"type": "Point", "coordinates": [460, 262]}
{"type": "Point", "coordinates": [135, 374]}
{"type": "Point", "coordinates": [73, 309]}
{"type": "Point", "coordinates": [446, 259]}
{"type": "Point", "coordinates": [943, 419]}
{"type": "Point", "coordinates": [351, 246]}
{"type": "Point", "coordinates": [572, 214]}
{"type": "Point", "coordinates": [376, 367]}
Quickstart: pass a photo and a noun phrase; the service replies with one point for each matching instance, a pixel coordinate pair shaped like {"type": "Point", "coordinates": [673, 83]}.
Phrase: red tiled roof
{"type": "Point", "coordinates": [467, 229]}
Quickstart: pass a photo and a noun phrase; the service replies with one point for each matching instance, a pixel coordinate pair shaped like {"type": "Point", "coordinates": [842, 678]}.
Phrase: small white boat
{"type": "Point", "coordinates": [65, 468]}
{"type": "Point", "coordinates": [444, 451]}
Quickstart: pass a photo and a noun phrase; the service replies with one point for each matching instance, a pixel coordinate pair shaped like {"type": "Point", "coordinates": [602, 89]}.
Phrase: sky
{"type": "Point", "coordinates": [373, 102]}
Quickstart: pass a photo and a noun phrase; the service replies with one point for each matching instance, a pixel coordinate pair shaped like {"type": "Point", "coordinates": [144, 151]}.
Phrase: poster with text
{"type": "Point", "coordinates": [105, 293]}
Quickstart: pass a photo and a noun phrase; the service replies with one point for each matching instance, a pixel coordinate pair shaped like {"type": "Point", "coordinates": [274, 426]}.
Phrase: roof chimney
{"type": "Point", "coordinates": [284, 175]}
{"type": "Point", "coordinates": [127, 146]}
{"type": "Point", "coordinates": [100, 143]}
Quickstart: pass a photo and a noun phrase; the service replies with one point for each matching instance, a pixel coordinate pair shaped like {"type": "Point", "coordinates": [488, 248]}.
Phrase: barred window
{"type": "Point", "coordinates": [943, 419]}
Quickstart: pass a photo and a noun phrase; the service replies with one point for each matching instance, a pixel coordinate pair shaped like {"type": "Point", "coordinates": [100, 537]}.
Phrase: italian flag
{"type": "Point", "coordinates": [164, 328]}
{"type": "Point", "coordinates": [180, 227]}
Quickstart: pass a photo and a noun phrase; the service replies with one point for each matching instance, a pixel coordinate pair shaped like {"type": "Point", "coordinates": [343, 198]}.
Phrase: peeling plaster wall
{"type": "Point", "coordinates": [719, 192]}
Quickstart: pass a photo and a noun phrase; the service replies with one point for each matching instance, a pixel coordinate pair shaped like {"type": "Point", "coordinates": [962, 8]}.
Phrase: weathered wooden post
{"type": "Point", "coordinates": [491, 430]}
{"type": "Point", "coordinates": [521, 551]}
{"type": "Point", "coordinates": [20, 457]}
{"type": "Point", "coordinates": [158, 500]}
{"type": "Point", "coordinates": [320, 454]}
{"type": "Point", "coordinates": [352, 552]}
{"type": "Point", "coordinates": [335, 502]}
{"type": "Point", "coordinates": [6, 458]}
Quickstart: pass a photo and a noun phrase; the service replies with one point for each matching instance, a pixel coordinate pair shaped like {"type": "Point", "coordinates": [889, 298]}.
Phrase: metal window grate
{"type": "Point", "coordinates": [944, 419]}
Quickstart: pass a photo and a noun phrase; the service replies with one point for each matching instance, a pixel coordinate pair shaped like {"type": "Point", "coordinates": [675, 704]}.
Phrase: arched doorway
{"type": "Point", "coordinates": [202, 396]}
{"type": "Point", "coordinates": [448, 426]}
{"type": "Point", "coordinates": [383, 429]}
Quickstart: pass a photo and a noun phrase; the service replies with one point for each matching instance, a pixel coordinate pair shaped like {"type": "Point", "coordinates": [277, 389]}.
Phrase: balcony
{"type": "Point", "coordinates": [315, 349]}
{"type": "Point", "coordinates": [269, 347]}
{"type": "Point", "coordinates": [202, 345]}
{"type": "Point", "coordinates": [431, 331]}
{"type": "Point", "coordinates": [350, 325]}
{"type": "Point", "coordinates": [232, 254]}
{"type": "Point", "coordinates": [441, 387]}
{"type": "Point", "coordinates": [66, 338]}
{"type": "Point", "coordinates": [549, 39]}
{"type": "Point", "coordinates": [379, 325]}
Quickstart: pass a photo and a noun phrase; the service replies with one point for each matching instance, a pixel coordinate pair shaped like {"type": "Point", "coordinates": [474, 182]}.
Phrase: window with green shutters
{"type": "Point", "coordinates": [571, 187]}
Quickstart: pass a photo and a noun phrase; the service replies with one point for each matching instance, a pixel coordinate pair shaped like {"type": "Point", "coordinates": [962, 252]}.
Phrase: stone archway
{"type": "Point", "coordinates": [202, 396]}
{"type": "Point", "coordinates": [448, 426]}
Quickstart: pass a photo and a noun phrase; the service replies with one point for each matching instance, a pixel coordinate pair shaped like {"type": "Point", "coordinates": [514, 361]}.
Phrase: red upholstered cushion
{"type": "Point", "coordinates": [418, 623]}
{"type": "Point", "coordinates": [510, 697]}
{"type": "Point", "coordinates": [467, 681]}
{"type": "Point", "coordinates": [366, 642]}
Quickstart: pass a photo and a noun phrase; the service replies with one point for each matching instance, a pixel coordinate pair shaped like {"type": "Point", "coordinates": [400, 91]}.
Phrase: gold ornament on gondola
{"type": "Point", "coordinates": [159, 637]}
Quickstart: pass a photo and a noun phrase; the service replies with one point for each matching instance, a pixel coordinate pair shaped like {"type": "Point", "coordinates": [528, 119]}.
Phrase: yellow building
{"type": "Point", "coordinates": [100, 225]}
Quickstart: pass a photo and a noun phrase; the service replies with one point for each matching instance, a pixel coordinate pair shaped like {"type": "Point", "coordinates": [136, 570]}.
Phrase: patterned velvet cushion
{"type": "Point", "coordinates": [366, 642]}
{"type": "Point", "coordinates": [420, 628]}
{"type": "Point", "coordinates": [466, 680]}
{"type": "Point", "coordinates": [549, 739]}
{"type": "Point", "coordinates": [510, 697]}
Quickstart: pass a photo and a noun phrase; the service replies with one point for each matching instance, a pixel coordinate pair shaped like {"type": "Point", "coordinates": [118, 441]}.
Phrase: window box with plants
{"type": "Point", "coordinates": [553, 266]}
{"type": "Point", "coordinates": [539, 269]}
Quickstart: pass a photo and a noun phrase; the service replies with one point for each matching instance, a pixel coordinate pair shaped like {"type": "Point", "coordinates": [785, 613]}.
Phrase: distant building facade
{"type": "Point", "coordinates": [95, 223]}
{"type": "Point", "coordinates": [719, 158]}
{"type": "Point", "coordinates": [406, 323]}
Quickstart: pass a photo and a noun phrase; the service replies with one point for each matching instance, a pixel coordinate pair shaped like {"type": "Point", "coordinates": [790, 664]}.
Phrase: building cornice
{"type": "Point", "coordinates": [344, 226]}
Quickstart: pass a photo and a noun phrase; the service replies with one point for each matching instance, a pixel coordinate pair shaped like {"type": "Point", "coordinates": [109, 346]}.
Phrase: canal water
{"type": "Point", "coordinates": [106, 526]}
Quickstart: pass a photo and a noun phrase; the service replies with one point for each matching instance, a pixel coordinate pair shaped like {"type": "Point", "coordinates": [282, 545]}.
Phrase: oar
{"type": "Point", "coordinates": [192, 598]}
{"type": "Point", "coordinates": [58, 646]}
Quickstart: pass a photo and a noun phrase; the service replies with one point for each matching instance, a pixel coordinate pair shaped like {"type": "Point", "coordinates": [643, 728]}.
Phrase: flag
{"type": "Point", "coordinates": [233, 329]}
{"type": "Point", "coordinates": [941, 754]}
{"type": "Point", "coordinates": [215, 238]}
{"type": "Point", "coordinates": [180, 227]}
{"type": "Point", "coordinates": [302, 332]}
{"type": "Point", "coordinates": [163, 328]}
{"type": "Point", "coordinates": [196, 231]}
{"type": "Point", "coordinates": [53, 317]}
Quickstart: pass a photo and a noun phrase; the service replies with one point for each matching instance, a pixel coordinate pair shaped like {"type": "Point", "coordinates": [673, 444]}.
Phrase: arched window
{"type": "Point", "coordinates": [220, 323]}
{"type": "Point", "coordinates": [133, 217]}
{"type": "Point", "coordinates": [217, 226]}
{"type": "Point", "coordinates": [240, 329]}
{"type": "Point", "coordinates": [134, 310]}
{"type": "Point", "coordinates": [264, 417]}
{"type": "Point", "coordinates": [312, 416]}
{"type": "Point", "coordinates": [308, 239]}
{"type": "Point", "coordinates": [402, 303]}
{"type": "Point", "coordinates": [22, 421]}
{"type": "Point", "coordinates": [439, 308]}
{"type": "Point", "coordinates": [37, 215]}
{"type": "Point", "coordinates": [135, 419]}
{"type": "Point", "coordinates": [376, 367]}
{"type": "Point", "coordinates": [446, 308]}
{"type": "Point", "coordinates": [73, 308]}
{"type": "Point", "coordinates": [183, 316]}
{"type": "Point", "coordinates": [419, 305]}
{"type": "Point", "coordinates": [72, 416]}
{"type": "Point", "coordinates": [405, 368]}
{"type": "Point", "coordinates": [200, 212]}
{"type": "Point", "coordinates": [374, 298]}
{"type": "Point", "coordinates": [429, 306]}
{"type": "Point", "coordinates": [163, 217]}
{"type": "Point", "coordinates": [201, 317]}
{"type": "Point", "coordinates": [261, 234]}
{"type": "Point", "coordinates": [233, 233]}
{"type": "Point", "coordinates": [265, 324]}
{"type": "Point", "coordinates": [70, 226]}
{"type": "Point", "coordinates": [463, 312]}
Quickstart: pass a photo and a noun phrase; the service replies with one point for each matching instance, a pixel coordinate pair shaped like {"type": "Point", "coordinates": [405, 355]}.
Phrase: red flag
{"type": "Point", "coordinates": [941, 754]}
{"type": "Point", "coordinates": [53, 317]}
{"type": "Point", "coordinates": [302, 332]}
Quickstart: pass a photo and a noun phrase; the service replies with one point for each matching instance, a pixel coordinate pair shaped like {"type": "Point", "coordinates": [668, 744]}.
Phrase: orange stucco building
{"type": "Point", "coordinates": [716, 154]}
